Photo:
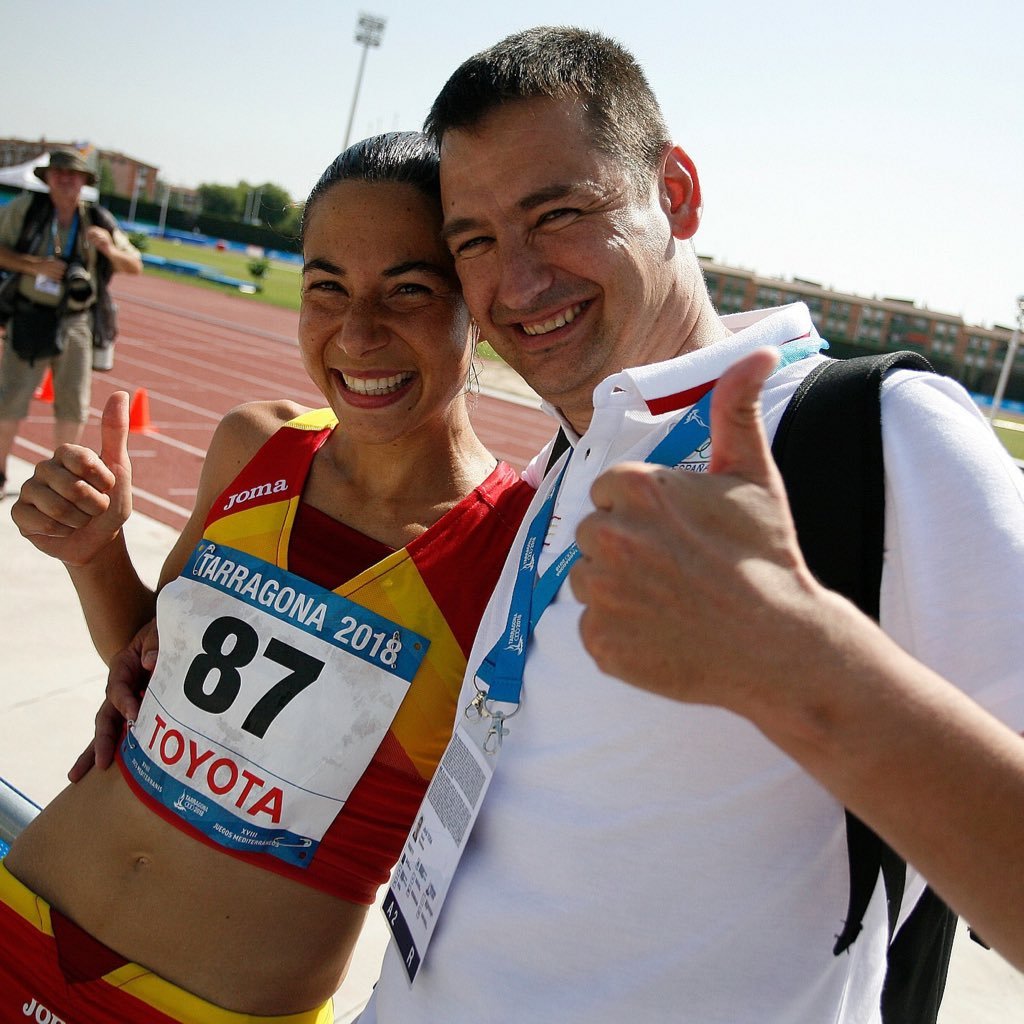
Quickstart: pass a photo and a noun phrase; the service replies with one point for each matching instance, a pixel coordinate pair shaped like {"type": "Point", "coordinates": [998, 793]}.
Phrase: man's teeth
{"type": "Point", "coordinates": [565, 317]}
{"type": "Point", "coordinates": [376, 385]}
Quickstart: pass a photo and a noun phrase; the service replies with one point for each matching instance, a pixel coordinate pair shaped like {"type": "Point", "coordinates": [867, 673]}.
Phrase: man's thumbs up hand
{"type": "Point", "coordinates": [690, 580]}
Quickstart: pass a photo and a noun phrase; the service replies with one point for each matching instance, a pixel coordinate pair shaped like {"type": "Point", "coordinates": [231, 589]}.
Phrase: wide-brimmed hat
{"type": "Point", "coordinates": [69, 160]}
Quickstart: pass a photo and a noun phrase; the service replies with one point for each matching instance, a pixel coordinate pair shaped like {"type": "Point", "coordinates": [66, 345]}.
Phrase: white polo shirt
{"type": "Point", "coordinates": [638, 859]}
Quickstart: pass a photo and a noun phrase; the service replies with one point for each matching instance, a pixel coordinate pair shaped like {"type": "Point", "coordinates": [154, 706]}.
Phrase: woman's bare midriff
{"type": "Point", "coordinates": [241, 937]}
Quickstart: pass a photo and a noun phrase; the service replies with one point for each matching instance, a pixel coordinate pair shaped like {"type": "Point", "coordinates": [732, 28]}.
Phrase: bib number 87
{"type": "Point", "coordinates": [229, 644]}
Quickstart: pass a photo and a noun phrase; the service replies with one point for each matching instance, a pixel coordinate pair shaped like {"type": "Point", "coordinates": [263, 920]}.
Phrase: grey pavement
{"type": "Point", "coordinates": [52, 681]}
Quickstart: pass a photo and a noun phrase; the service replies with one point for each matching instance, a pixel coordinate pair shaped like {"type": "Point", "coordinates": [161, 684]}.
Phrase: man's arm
{"type": "Point", "coordinates": [123, 256]}
{"type": "Point", "coordinates": [26, 263]}
{"type": "Point", "coordinates": [695, 588]}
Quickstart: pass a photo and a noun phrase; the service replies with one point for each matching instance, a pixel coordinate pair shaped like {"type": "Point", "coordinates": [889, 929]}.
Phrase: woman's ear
{"type": "Point", "coordinates": [682, 191]}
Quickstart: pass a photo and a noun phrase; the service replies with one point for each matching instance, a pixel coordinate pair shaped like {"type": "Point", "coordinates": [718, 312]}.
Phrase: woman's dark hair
{"type": "Point", "coordinates": [405, 158]}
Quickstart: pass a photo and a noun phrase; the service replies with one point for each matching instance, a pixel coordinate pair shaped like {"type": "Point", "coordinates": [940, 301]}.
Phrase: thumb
{"type": "Point", "coordinates": [738, 443]}
{"type": "Point", "coordinates": [114, 431]}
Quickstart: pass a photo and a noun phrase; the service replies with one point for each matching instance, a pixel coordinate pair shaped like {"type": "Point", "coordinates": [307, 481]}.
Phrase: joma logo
{"type": "Point", "coordinates": [40, 1013]}
{"type": "Point", "coordinates": [259, 491]}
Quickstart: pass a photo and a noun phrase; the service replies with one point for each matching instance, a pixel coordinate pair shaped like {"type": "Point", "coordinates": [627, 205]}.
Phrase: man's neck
{"type": "Point", "coordinates": [702, 328]}
{"type": "Point", "coordinates": [65, 210]}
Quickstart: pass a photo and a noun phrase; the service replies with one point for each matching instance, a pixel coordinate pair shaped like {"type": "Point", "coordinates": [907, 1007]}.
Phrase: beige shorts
{"type": "Point", "coordinates": [72, 374]}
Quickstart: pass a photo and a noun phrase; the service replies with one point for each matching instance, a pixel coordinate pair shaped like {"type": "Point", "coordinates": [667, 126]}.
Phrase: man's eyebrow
{"type": "Point", "coordinates": [528, 202]}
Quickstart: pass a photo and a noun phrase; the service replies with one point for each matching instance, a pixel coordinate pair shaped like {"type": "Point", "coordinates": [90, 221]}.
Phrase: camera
{"type": "Point", "coordinates": [78, 282]}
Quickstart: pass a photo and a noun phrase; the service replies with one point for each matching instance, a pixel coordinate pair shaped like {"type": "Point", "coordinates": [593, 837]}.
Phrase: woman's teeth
{"type": "Point", "coordinates": [376, 385]}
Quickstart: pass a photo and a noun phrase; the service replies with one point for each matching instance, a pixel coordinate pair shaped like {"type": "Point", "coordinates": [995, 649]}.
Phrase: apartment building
{"type": "Point", "coordinates": [882, 324]}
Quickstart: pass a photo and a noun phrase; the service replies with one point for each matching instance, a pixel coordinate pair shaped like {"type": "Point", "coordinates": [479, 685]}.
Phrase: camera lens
{"type": "Point", "coordinates": [78, 283]}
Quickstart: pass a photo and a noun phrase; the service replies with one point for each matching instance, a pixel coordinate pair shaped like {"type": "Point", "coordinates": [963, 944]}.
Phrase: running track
{"type": "Point", "coordinates": [199, 353]}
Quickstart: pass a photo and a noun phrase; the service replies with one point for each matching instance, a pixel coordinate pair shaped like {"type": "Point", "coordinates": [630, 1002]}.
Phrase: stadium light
{"type": "Point", "coordinates": [1011, 355]}
{"type": "Point", "coordinates": [369, 31]}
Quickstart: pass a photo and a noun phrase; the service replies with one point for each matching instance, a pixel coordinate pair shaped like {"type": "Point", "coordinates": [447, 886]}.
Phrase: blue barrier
{"type": "Point", "coordinates": [16, 811]}
{"type": "Point", "coordinates": [985, 402]}
{"type": "Point", "coordinates": [197, 270]}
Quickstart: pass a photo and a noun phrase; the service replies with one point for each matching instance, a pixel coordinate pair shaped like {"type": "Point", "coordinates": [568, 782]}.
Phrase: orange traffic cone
{"type": "Point", "coordinates": [138, 414]}
{"type": "Point", "coordinates": [45, 390]}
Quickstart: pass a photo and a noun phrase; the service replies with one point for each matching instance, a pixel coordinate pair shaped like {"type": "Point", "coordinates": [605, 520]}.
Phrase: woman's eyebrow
{"type": "Point", "coordinates": [320, 263]}
{"type": "Point", "coordinates": [423, 266]}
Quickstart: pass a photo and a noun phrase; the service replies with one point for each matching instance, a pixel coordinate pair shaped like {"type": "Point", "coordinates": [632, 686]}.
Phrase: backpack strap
{"type": "Point", "coordinates": [829, 450]}
{"type": "Point", "coordinates": [101, 217]}
{"type": "Point", "coordinates": [36, 217]}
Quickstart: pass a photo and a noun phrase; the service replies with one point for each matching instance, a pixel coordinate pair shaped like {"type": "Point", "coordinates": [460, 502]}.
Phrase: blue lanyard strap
{"type": "Point", "coordinates": [503, 667]}
{"type": "Point", "coordinates": [69, 249]}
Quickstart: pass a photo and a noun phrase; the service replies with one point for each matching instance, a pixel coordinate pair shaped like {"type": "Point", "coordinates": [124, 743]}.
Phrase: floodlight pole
{"type": "Point", "coordinates": [1011, 355]}
{"type": "Point", "coordinates": [369, 31]}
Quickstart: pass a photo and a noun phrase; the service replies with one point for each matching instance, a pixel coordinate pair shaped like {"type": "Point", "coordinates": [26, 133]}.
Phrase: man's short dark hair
{"type": "Point", "coordinates": [561, 63]}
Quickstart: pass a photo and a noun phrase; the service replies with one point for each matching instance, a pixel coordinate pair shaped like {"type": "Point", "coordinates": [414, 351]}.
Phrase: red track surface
{"type": "Point", "coordinates": [199, 353]}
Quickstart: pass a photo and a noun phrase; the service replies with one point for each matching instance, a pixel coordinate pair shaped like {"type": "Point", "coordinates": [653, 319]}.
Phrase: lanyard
{"type": "Point", "coordinates": [72, 236]}
{"type": "Point", "coordinates": [503, 667]}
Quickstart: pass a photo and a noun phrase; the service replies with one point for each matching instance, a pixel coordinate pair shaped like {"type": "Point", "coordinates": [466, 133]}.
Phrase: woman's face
{"type": "Point", "coordinates": [383, 329]}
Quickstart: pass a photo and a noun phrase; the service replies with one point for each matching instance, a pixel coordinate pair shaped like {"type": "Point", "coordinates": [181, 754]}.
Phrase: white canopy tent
{"type": "Point", "coordinates": [23, 176]}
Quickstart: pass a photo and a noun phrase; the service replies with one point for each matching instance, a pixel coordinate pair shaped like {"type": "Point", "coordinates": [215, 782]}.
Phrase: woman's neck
{"type": "Point", "coordinates": [395, 491]}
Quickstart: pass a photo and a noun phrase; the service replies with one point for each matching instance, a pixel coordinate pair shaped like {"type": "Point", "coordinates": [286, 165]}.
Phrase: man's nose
{"type": "Point", "coordinates": [524, 275]}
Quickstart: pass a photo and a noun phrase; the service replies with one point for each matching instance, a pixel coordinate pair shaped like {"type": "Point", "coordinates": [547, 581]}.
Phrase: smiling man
{"type": "Point", "coordinates": [675, 849]}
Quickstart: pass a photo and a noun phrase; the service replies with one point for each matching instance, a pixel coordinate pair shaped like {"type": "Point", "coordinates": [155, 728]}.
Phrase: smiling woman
{"type": "Point", "coordinates": [316, 615]}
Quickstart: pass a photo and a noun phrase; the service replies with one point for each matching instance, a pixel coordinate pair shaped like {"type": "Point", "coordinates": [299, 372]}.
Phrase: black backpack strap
{"type": "Point", "coordinates": [918, 962]}
{"type": "Point", "coordinates": [101, 217]}
{"type": "Point", "coordinates": [829, 449]}
{"type": "Point", "coordinates": [36, 217]}
{"type": "Point", "coordinates": [835, 471]}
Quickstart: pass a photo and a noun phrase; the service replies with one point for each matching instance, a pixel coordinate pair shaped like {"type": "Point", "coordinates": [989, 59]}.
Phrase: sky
{"type": "Point", "coordinates": [874, 147]}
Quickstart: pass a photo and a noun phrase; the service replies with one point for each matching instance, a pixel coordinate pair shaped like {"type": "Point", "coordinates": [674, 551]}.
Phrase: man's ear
{"type": "Point", "coordinates": [682, 191]}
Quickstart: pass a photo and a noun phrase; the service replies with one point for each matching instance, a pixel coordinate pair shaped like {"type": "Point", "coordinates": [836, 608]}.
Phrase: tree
{"type": "Point", "coordinates": [106, 178]}
{"type": "Point", "coordinates": [290, 226]}
{"type": "Point", "coordinates": [275, 203]}
{"type": "Point", "coordinates": [274, 207]}
{"type": "Point", "coordinates": [220, 201]}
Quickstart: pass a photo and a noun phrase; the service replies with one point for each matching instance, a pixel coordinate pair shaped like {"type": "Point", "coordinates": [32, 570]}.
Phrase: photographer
{"type": "Point", "coordinates": [62, 253]}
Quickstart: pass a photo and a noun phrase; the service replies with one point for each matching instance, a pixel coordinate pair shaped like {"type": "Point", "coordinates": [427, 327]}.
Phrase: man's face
{"type": "Point", "coordinates": [566, 263]}
{"type": "Point", "coordinates": [65, 184]}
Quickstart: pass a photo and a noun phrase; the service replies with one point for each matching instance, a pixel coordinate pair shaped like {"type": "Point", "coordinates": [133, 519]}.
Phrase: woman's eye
{"type": "Point", "coordinates": [324, 285]}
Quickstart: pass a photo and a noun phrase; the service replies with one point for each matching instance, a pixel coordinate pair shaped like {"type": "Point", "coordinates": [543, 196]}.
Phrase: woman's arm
{"type": "Point", "coordinates": [75, 505]}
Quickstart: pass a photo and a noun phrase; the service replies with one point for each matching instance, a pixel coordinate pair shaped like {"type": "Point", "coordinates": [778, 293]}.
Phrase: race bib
{"type": "Point", "coordinates": [270, 698]}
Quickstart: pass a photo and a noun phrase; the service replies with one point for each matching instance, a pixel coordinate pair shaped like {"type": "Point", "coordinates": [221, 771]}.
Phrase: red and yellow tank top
{"type": "Point", "coordinates": [294, 720]}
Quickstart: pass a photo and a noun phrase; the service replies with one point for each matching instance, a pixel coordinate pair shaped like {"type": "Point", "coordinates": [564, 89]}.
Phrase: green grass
{"type": "Point", "coordinates": [1013, 440]}
{"type": "Point", "coordinates": [280, 283]}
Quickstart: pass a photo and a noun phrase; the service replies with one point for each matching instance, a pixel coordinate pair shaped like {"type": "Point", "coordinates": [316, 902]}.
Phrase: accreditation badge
{"type": "Point", "coordinates": [424, 872]}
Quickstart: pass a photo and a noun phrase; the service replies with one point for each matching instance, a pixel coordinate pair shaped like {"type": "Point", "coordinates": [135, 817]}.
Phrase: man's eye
{"type": "Point", "coordinates": [466, 248]}
{"type": "Point", "coordinates": [559, 214]}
